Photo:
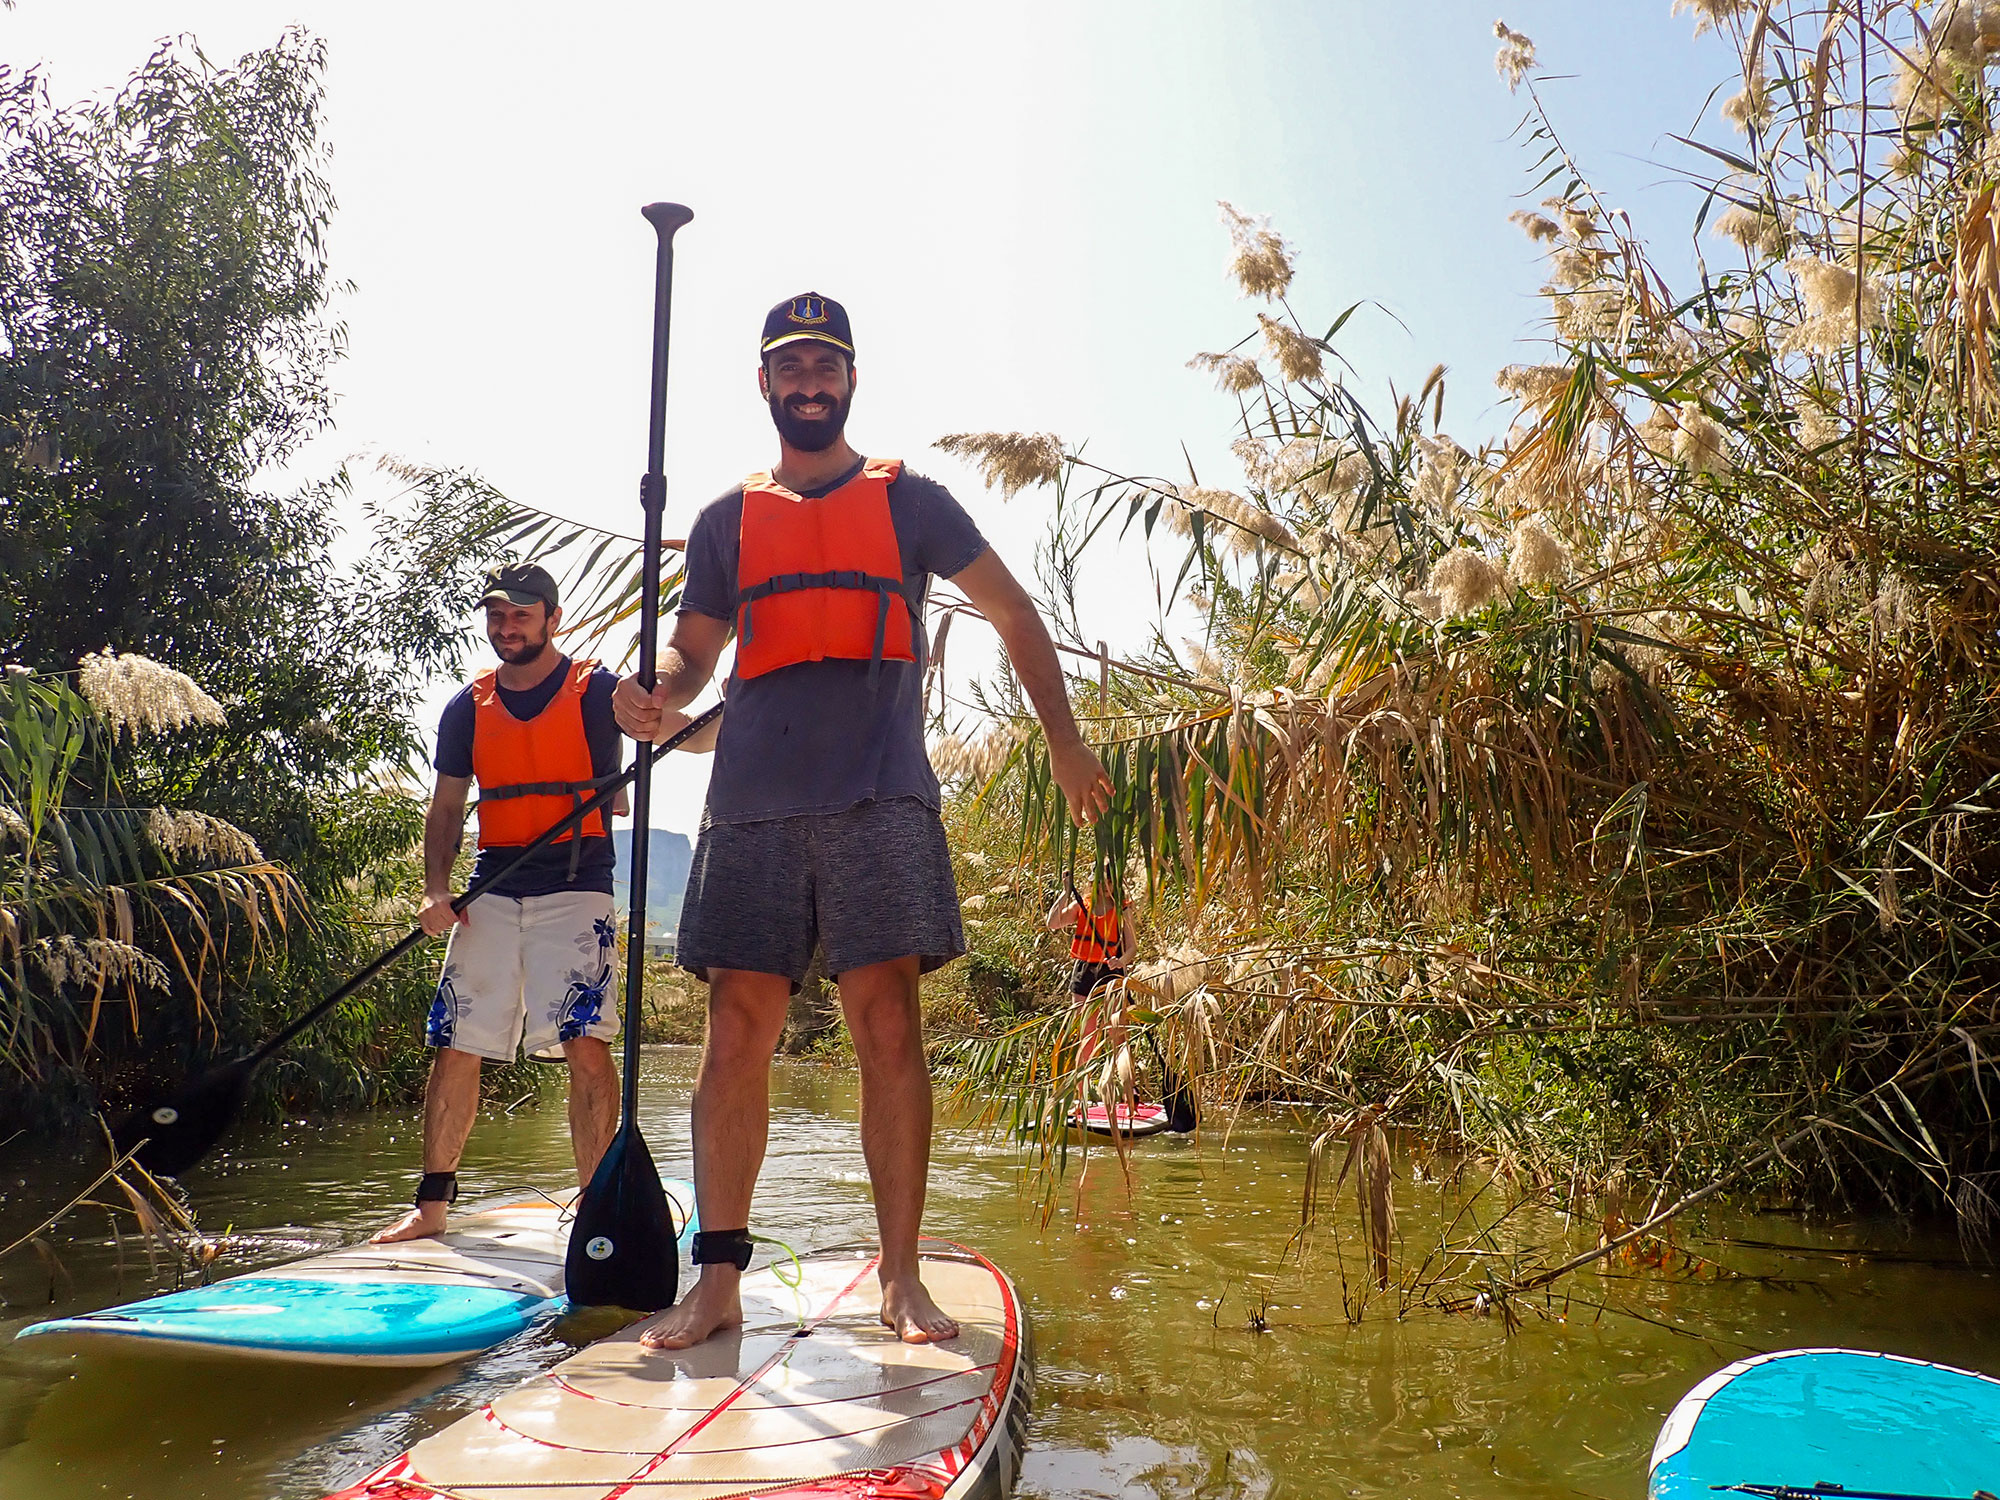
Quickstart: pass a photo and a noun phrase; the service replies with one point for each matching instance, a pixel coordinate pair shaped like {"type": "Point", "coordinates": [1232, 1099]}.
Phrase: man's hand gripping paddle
{"type": "Point", "coordinates": [622, 1250]}
{"type": "Point", "coordinates": [174, 1133]}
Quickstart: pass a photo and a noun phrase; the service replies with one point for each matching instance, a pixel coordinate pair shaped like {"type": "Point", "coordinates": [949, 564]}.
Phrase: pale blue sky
{"type": "Point", "coordinates": [1016, 203]}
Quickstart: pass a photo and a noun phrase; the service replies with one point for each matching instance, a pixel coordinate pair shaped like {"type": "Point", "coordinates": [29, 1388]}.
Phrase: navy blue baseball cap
{"type": "Point", "coordinates": [808, 317]}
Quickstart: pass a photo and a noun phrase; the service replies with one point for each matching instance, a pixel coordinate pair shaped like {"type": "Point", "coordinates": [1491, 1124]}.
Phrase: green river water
{"type": "Point", "coordinates": [1152, 1381]}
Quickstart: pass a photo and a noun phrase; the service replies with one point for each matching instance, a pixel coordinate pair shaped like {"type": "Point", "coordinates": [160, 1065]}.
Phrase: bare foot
{"type": "Point", "coordinates": [419, 1223]}
{"type": "Point", "coordinates": [708, 1308]}
{"type": "Point", "coordinates": [907, 1308]}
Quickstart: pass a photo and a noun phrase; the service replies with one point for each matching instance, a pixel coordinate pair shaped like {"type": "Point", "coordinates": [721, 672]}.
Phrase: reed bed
{"type": "Point", "coordinates": [1614, 802]}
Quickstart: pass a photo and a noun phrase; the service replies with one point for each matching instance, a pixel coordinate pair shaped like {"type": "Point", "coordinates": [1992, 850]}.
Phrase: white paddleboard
{"type": "Point", "coordinates": [812, 1397]}
{"type": "Point", "coordinates": [418, 1302]}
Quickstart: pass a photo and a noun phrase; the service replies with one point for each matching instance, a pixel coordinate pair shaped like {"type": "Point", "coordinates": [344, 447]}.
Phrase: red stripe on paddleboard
{"type": "Point", "coordinates": [744, 1384]}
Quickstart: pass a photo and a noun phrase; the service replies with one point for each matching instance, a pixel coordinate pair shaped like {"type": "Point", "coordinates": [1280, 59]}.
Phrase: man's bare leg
{"type": "Point", "coordinates": [593, 1102]}
{"type": "Point", "coordinates": [880, 1002]}
{"type": "Point", "coordinates": [732, 1121]}
{"type": "Point", "coordinates": [451, 1104]}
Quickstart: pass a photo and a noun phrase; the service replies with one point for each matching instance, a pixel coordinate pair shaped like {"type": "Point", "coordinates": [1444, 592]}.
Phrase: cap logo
{"type": "Point", "coordinates": [807, 310]}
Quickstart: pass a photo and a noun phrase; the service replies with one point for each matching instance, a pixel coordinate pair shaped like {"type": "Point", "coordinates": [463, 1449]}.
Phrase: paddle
{"type": "Point", "coordinates": [174, 1133]}
{"type": "Point", "coordinates": [622, 1250]}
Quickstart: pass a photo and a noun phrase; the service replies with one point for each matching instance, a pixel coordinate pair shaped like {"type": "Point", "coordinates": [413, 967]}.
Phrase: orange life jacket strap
{"type": "Point", "coordinates": [545, 788]}
{"type": "Point", "coordinates": [847, 578]}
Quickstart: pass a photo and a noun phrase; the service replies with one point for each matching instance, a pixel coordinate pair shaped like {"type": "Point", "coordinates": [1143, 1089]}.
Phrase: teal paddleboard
{"type": "Point", "coordinates": [1832, 1421]}
{"type": "Point", "coordinates": [420, 1302]}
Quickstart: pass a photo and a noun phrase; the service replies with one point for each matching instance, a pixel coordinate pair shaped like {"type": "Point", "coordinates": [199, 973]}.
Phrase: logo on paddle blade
{"type": "Point", "coordinates": [599, 1248]}
{"type": "Point", "coordinates": [166, 1114]}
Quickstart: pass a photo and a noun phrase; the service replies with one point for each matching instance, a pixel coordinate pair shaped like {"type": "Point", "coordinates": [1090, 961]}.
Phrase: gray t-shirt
{"type": "Point", "coordinates": [814, 738]}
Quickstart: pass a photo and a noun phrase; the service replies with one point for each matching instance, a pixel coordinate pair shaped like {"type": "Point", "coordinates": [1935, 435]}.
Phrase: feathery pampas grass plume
{"type": "Point", "coordinates": [91, 961]}
{"type": "Point", "coordinates": [1710, 14]}
{"type": "Point", "coordinates": [1897, 608]}
{"type": "Point", "coordinates": [1833, 586]}
{"type": "Point", "coordinates": [1534, 385]}
{"type": "Point", "coordinates": [13, 825]}
{"type": "Point", "coordinates": [1262, 262]}
{"type": "Point", "coordinates": [1756, 231]}
{"type": "Point", "coordinates": [1297, 356]}
{"type": "Point", "coordinates": [1243, 515]}
{"type": "Point", "coordinates": [1829, 293]}
{"type": "Point", "coordinates": [1701, 443]}
{"type": "Point", "coordinates": [1516, 56]}
{"type": "Point", "coordinates": [1425, 603]}
{"type": "Point", "coordinates": [1951, 53]}
{"type": "Point", "coordinates": [1818, 427]}
{"type": "Point", "coordinates": [1574, 266]}
{"type": "Point", "coordinates": [979, 762]}
{"type": "Point", "coordinates": [1752, 107]}
{"type": "Point", "coordinates": [1578, 223]}
{"type": "Point", "coordinates": [1536, 555]}
{"type": "Point", "coordinates": [1206, 666]}
{"type": "Point", "coordinates": [1014, 461]}
{"type": "Point", "coordinates": [1233, 373]}
{"type": "Point", "coordinates": [137, 694]}
{"type": "Point", "coordinates": [1439, 463]}
{"type": "Point", "coordinates": [1464, 581]}
{"type": "Point", "coordinates": [1538, 227]}
{"type": "Point", "coordinates": [1581, 317]}
{"type": "Point", "coordinates": [183, 835]}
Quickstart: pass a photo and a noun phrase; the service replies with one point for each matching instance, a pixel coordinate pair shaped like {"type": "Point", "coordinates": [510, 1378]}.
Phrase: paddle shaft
{"type": "Point", "coordinates": [574, 819]}
{"type": "Point", "coordinates": [666, 219]}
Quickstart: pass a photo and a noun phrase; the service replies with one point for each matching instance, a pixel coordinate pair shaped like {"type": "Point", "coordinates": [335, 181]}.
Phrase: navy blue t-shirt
{"type": "Point", "coordinates": [547, 870]}
{"type": "Point", "coordinates": [814, 737]}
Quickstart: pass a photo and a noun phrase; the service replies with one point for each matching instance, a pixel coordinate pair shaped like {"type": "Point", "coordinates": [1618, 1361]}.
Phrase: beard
{"type": "Point", "coordinates": [527, 651]}
{"type": "Point", "coordinates": [811, 434]}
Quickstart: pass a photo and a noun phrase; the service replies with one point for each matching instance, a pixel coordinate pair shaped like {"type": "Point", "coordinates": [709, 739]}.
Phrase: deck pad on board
{"type": "Point", "coordinates": [1865, 1422]}
{"type": "Point", "coordinates": [417, 1302]}
{"type": "Point", "coordinates": [813, 1395]}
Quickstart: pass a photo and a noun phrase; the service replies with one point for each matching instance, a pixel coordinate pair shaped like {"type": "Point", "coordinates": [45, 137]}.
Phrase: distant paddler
{"type": "Point", "coordinates": [822, 827]}
{"type": "Point", "coordinates": [1102, 940]}
{"type": "Point", "coordinates": [530, 964]}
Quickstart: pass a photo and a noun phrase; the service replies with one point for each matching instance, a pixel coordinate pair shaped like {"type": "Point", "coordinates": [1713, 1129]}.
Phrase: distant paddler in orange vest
{"type": "Point", "coordinates": [1101, 944]}
{"type": "Point", "coordinates": [530, 964]}
{"type": "Point", "coordinates": [822, 827]}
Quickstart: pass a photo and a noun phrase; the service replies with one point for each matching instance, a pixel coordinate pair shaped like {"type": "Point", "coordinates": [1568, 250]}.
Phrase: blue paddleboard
{"type": "Point", "coordinates": [1839, 1419]}
{"type": "Point", "coordinates": [419, 1302]}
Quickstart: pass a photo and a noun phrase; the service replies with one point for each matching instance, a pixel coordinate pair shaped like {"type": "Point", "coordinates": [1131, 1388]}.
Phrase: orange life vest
{"type": "Point", "coordinates": [1099, 939]}
{"type": "Point", "coordinates": [532, 771]}
{"type": "Point", "coordinates": [821, 578]}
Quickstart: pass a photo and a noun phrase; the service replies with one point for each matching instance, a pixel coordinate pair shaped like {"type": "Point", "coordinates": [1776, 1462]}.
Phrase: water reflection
{"type": "Point", "coordinates": [1156, 1380]}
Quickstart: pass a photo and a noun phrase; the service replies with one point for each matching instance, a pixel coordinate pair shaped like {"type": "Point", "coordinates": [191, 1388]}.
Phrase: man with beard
{"type": "Point", "coordinates": [530, 962]}
{"type": "Point", "coordinates": [822, 826]}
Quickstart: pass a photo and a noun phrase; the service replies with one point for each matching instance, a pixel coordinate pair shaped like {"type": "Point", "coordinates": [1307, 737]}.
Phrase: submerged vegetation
{"type": "Point", "coordinates": [1614, 802]}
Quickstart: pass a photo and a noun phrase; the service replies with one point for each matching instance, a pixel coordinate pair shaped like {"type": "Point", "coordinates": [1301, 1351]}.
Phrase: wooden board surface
{"type": "Point", "coordinates": [812, 1396]}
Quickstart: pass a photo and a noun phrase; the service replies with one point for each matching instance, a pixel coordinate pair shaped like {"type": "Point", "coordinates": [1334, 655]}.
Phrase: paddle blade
{"type": "Point", "coordinates": [180, 1130]}
{"type": "Point", "coordinates": [622, 1250]}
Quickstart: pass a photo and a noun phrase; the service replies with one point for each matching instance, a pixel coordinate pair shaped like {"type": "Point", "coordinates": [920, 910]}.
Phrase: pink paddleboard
{"type": "Point", "coordinates": [1144, 1119]}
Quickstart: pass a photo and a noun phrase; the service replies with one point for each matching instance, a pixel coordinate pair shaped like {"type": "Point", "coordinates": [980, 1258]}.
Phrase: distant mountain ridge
{"type": "Point", "coordinates": [669, 856]}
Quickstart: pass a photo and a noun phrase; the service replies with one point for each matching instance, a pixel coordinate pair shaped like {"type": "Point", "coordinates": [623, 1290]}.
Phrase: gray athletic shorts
{"type": "Point", "coordinates": [866, 885]}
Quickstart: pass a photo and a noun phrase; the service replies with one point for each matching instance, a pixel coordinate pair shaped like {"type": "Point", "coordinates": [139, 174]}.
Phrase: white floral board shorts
{"type": "Point", "coordinates": [527, 972]}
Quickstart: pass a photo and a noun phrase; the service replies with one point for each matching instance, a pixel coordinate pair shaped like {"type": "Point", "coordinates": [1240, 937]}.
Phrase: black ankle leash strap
{"type": "Point", "coordinates": [722, 1247]}
{"type": "Point", "coordinates": [437, 1187]}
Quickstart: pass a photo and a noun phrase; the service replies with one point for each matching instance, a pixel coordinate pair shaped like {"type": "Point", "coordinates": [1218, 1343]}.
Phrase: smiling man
{"type": "Point", "coordinates": [822, 826]}
{"type": "Point", "coordinates": [530, 962]}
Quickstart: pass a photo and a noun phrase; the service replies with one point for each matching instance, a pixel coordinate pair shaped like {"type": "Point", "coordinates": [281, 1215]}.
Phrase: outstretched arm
{"type": "Point", "coordinates": [996, 594]}
{"type": "Point", "coordinates": [686, 663]}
